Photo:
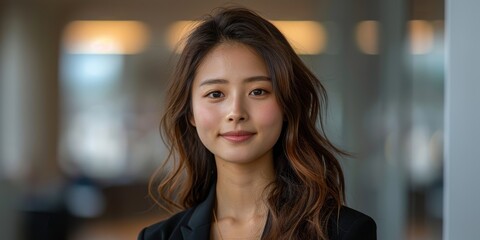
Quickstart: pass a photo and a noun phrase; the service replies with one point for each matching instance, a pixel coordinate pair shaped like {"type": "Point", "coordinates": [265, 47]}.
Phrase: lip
{"type": "Point", "coordinates": [237, 136]}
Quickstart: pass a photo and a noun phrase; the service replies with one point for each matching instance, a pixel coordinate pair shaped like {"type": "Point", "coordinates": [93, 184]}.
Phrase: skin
{"type": "Point", "coordinates": [237, 118]}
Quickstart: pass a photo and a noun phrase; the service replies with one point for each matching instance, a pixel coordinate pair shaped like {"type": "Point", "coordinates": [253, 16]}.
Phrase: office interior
{"type": "Point", "coordinates": [83, 84]}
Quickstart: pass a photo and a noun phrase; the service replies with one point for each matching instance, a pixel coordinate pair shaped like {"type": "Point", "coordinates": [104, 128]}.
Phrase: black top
{"type": "Point", "coordinates": [194, 224]}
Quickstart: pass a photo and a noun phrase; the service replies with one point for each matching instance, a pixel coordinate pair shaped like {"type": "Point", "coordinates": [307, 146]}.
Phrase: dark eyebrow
{"type": "Point", "coordinates": [213, 81]}
{"type": "Point", "coordinates": [223, 81]}
{"type": "Point", "coordinates": [258, 78]}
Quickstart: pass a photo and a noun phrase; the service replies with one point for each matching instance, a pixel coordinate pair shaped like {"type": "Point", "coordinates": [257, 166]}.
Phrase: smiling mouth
{"type": "Point", "coordinates": [237, 136]}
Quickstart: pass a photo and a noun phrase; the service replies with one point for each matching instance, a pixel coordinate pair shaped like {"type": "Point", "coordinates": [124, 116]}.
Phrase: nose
{"type": "Point", "coordinates": [237, 110]}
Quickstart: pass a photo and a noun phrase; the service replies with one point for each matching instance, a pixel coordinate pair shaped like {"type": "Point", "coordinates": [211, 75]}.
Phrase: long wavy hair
{"type": "Point", "coordinates": [309, 183]}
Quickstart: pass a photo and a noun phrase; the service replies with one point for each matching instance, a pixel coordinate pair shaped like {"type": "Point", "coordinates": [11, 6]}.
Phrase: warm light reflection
{"type": "Point", "coordinates": [306, 37]}
{"type": "Point", "coordinates": [421, 36]}
{"type": "Point", "coordinates": [367, 35]}
{"type": "Point", "coordinates": [105, 37]}
{"type": "Point", "coordinates": [177, 32]}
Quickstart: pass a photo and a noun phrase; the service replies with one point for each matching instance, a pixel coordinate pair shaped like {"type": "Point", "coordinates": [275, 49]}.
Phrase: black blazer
{"type": "Point", "coordinates": [194, 224]}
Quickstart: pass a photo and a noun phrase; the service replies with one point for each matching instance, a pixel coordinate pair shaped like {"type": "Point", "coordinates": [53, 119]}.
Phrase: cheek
{"type": "Point", "coordinates": [205, 117]}
{"type": "Point", "coordinates": [270, 114]}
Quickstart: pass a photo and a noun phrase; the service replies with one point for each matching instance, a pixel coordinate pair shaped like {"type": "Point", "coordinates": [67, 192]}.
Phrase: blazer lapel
{"type": "Point", "coordinates": [198, 227]}
{"type": "Point", "coordinates": [198, 233]}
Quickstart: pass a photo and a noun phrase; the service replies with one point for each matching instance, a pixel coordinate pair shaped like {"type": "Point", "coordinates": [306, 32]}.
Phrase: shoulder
{"type": "Point", "coordinates": [352, 224]}
{"type": "Point", "coordinates": [164, 229]}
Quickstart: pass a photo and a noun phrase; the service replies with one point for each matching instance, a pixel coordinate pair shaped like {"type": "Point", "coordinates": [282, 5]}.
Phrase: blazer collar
{"type": "Point", "coordinates": [198, 227]}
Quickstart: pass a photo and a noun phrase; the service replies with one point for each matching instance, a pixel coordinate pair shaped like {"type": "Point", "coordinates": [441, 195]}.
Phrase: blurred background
{"type": "Point", "coordinates": [82, 85]}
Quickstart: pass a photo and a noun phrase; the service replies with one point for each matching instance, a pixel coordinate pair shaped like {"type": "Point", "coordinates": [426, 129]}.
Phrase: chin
{"type": "Point", "coordinates": [237, 158]}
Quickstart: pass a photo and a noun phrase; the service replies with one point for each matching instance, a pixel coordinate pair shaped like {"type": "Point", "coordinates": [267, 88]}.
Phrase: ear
{"type": "Point", "coordinates": [191, 119]}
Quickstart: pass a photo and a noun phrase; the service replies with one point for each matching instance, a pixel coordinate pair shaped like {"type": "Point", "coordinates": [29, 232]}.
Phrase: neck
{"type": "Point", "coordinates": [241, 188]}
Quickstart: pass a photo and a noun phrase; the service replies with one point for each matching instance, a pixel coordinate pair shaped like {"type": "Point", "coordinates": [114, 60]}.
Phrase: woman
{"type": "Point", "coordinates": [246, 159]}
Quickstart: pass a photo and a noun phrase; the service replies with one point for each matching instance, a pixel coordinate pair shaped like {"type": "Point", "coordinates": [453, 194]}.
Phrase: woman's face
{"type": "Point", "coordinates": [234, 106]}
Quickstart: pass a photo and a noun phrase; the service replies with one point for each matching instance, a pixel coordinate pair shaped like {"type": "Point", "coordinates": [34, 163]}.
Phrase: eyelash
{"type": "Point", "coordinates": [210, 94]}
{"type": "Point", "coordinates": [263, 92]}
{"type": "Point", "coordinates": [258, 89]}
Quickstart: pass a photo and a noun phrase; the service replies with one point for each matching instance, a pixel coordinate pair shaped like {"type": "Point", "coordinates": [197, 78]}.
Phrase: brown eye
{"type": "Point", "coordinates": [215, 94]}
{"type": "Point", "coordinates": [258, 92]}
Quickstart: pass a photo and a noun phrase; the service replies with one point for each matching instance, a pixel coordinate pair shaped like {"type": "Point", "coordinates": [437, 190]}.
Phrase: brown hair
{"type": "Point", "coordinates": [309, 183]}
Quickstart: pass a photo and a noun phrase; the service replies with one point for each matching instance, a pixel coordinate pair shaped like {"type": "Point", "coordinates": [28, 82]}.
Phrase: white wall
{"type": "Point", "coordinates": [462, 123]}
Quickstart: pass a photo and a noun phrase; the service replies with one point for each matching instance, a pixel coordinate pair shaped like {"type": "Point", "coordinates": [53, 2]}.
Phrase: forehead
{"type": "Point", "coordinates": [231, 59]}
